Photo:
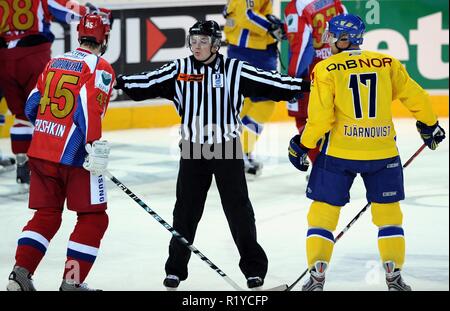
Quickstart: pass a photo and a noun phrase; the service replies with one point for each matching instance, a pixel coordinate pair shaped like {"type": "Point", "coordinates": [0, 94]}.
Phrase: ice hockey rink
{"type": "Point", "coordinates": [135, 247]}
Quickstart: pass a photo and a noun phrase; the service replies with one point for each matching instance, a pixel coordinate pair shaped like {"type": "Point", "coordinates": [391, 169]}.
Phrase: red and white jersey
{"type": "Point", "coordinates": [305, 22]}
{"type": "Point", "coordinates": [67, 106]}
{"type": "Point", "coordinates": [20, 18]}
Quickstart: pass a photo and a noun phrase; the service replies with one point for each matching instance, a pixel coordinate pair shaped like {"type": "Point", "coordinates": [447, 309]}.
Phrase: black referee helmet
{"type": "Point", "coordinates": [207, 28]}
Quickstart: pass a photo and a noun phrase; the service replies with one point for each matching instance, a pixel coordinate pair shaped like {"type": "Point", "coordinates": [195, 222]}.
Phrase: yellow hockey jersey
{"type": "Point", "coordinates": [246, 23]}
{"type": "Point", "coordinates": [350, 105]}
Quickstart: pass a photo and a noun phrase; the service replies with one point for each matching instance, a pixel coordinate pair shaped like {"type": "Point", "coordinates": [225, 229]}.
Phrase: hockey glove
{"type": "Point", "coordinates": [298, 154]}
{"type": "Point", "coordinates": [119, 83]}
{"type": "Point", "coordinates": [97, 158]}
{"type": "Point", "coordinates": [431, 135]}
{"type": "Point", "coordinates": [276, 28]}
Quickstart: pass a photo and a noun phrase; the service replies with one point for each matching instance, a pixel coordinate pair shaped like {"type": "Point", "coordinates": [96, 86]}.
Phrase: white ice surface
{"type": "Point", "coordinates": [134, 249]}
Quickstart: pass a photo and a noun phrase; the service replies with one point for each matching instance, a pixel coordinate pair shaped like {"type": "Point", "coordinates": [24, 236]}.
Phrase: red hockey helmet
{"type": "Point", "coordinates": [94, 27]}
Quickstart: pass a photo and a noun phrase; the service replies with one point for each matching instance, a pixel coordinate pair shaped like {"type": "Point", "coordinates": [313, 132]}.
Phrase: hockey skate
{"type": "Point", "coordinates": [255, 283]}
{"type": "Point", "coordinates": [6, 163]}
{"type": "Point", "coordinates": [394, 280]}
{"type": "Point", "coordinates": [251, 166]}
{"type": "Point", "coordinates": [71, 286]}
{"type": "Point", "coordinates": [23, 171]}
{"type": "Point", "coordinates": [171, 282]}
{"type": "Point", "coordinates": [317, 278]}
{"type": "Point", "coordinates": [20, 280]}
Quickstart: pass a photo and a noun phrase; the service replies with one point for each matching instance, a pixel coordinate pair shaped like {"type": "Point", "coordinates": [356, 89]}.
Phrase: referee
{"type": "Point", "coordinates": [208, 90]}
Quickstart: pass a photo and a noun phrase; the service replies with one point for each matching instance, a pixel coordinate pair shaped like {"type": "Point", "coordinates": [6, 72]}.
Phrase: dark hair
{"type": "Point", "coordinates": [90, 43]}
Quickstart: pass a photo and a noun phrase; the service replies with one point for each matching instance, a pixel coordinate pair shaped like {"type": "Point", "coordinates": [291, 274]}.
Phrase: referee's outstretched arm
{"type": "Point", "coordinates": [152, 84]}
{"type": "Point", "coordinates": [256, 82]}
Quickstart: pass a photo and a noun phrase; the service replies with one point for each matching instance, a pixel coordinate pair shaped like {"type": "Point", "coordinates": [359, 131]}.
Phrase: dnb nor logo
{"type": "Point", "coordinates": [292, 23]}
{"type": "Point", "coordinates": [106, 78]}
{"type": "Point", "coordinates": [103, 80]}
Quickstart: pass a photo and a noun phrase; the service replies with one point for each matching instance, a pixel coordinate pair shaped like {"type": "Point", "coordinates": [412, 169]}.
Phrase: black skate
{"type": "Point", "coordinates": [23, 171]}
{"type": "Point", "coordinates": [6, 163]}
{"type": "Point", "coordinates": [255, 282]}
{"type": "Point", "coordinates": [20, 280]}
{"type": "Point", "coordinates": [251, 166]}
{"type": "Point", "coordinates": [171, 282]}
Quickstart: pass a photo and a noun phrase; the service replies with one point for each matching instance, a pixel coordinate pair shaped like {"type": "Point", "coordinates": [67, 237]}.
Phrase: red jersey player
{"type": "Point", "coordinates": [66, 108]}
{"type": "Point", "coordinates": [305, 22]}
{"type": "Point", "coordinates": [25, 41]}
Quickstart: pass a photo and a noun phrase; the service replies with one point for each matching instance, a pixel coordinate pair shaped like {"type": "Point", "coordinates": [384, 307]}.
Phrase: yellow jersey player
{"type": "Point", "coordinates": [350, 115]}
{"type": "Point", "coordinates": [251, 33]}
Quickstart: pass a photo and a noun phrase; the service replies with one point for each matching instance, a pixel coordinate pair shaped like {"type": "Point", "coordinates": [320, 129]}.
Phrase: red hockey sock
{"type": "Point", "coordinates": [21, 134]}
{"type": "Point", "coordinates": [36, 236]}
{"type": "Point", "coordinates": [84, 244]}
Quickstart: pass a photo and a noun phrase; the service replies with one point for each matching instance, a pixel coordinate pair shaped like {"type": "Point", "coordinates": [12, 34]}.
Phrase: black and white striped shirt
{"type": "Point", "coordinates": [209, 97]}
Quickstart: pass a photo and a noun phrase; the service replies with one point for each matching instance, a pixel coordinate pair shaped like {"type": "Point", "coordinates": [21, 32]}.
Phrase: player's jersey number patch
{"type": "Point", "coordinates": [319, 23]}
{"type": "Point", "coordinates": [368, 80]}
{"type": "Point", "coordinates": [60, 91]}
{"type": "Point", "coordinates": [20, 12]}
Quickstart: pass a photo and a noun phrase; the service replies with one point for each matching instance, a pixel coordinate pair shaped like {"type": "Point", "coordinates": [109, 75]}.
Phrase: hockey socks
{"type": "Point", "coordinates": [84, 244]}
{"type": "Point", "coordinates": [36, 236]}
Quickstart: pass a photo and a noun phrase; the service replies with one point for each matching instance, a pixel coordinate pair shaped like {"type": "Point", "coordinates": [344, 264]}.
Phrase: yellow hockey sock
{"type": "Point", "coordinates": [322, 221]}
{"type": "Point", "coordinates": [254, 115]}
{"type": "Point", "coordinates": [391, 242]}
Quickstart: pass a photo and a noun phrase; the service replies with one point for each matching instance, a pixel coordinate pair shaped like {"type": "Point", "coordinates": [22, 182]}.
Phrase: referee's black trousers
{"type": "Point", "coordinates": [194, 180]}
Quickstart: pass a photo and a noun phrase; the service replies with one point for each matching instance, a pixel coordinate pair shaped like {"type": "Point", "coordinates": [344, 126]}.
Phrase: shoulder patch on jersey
{"type": "Point", "coordinates": [292, 23]}
{"type": "Point", "coordinates": [103, 80]}
{"type": "Point", "coordinates": [106, 77]}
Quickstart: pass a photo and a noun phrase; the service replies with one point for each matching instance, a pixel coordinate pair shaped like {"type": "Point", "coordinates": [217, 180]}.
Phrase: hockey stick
{"type": "Point", "coordinates": [338, 237]}
{"type": "Point", "coordinates": [178, 236]}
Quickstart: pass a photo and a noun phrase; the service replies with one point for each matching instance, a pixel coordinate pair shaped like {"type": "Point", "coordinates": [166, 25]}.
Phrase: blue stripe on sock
{"type": "Point", "coordinates": [322, 232]}
{"type": "Point", "coordinates": [33, 243]}
{"type": "Point", "coordinates": [21, 137]}
{"type": "Point", "coordinates": [390, 231]}
{"type": "Point", "coordinates": [252, 125]}
{"type": "Point", "coordinates": [81, 256]}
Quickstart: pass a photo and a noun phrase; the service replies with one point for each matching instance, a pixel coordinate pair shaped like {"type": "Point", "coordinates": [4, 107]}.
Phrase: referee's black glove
{"type": "Point", "coordinates": [119, 85]}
